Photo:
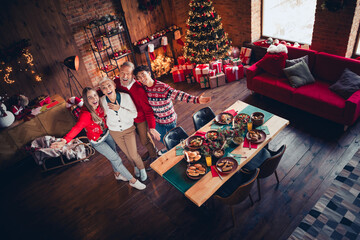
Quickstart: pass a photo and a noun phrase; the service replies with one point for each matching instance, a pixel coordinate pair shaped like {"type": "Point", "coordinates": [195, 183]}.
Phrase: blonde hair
{"type": "Point", "coordinates": [104, 79]}
{"type": "Point", "coordinates": [92, 111]}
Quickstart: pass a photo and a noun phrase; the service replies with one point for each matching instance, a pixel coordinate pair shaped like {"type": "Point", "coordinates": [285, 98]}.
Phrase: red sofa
{"type": "Point", "coordinates": [315, 98]}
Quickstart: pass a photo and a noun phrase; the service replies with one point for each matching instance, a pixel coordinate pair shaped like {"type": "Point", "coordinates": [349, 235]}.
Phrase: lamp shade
{"type": "Point", "coordinates": [72, 62]}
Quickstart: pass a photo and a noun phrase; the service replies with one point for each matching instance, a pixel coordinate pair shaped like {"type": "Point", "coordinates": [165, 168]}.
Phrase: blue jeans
{"type": "Point", "coordinates": [108, 148]}
{"type": "Point", "coordinates": [164, 128]}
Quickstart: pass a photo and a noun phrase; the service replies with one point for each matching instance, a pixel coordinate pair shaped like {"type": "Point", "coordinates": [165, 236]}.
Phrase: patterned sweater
{"type": "Point", "coordinates": [160, 97]}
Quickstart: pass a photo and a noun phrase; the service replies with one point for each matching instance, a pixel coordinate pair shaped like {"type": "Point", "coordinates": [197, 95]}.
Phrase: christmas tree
{"type": "Point", "coordinates": [206, 39]}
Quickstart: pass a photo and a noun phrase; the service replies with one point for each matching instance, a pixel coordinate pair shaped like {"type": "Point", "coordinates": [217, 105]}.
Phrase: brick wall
{"type": "Point", "coordinates": [78, 15]}
{"type": "Point", "coordinates": [334, 32]}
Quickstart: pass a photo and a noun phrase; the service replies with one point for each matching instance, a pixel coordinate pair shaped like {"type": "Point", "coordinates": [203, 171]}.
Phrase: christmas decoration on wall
{"type": "Point", "coordinates": [162, 65]}
{"type": "Point", "coordinates": [148, 5]}
{"type": "Point", "coordinates": [205, 38]}
{"type": "Point", "coordinates": [17, 58]}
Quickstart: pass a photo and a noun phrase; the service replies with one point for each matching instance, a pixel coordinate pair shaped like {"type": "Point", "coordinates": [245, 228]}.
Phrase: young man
{"type": "Point", "coordinates": [145, 121]}
{"type": "Point", "coordinates": [160, 97]}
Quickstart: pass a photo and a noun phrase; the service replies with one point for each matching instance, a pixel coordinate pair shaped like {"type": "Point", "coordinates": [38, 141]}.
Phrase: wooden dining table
{"type": "Point", "coordinates": [205, 187]}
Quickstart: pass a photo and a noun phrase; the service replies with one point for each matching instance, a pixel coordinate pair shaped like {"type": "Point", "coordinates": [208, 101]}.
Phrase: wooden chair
{"type": "Point", "coordinates": [174, 137]}
{"type": "Point", "coordinates": [268, 167]}
{"type": "Point", "coordinates": [202, 117]}
{"type": "Point", "coordinates": [241, 192]}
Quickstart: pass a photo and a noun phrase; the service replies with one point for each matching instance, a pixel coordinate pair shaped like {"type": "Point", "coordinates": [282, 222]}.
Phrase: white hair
{"type": "Point", "coordinates": [104, 79]}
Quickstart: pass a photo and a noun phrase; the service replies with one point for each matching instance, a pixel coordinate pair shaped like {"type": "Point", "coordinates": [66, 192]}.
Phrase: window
{"type": "Point", "coordinates": [291, 20]}
{"type": "Point", "coordinates": [357, 52]}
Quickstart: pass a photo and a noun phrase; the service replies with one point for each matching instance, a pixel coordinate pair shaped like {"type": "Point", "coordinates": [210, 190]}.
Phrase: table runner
{"type": "Point", "coordinates": [177, 174]}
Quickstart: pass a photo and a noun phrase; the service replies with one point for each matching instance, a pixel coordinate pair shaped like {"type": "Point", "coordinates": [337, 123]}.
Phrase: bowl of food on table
{"type": "Point", "coordinates": [237, 140]}
{"type": "Point", "coordinates": [218, 153]}
{"type": "Point", "coordinates": [212, 135]}
{"type": "Point", "coordinates": [196, 171]}
{"type": "Point", "coordinates": [224, 118]}
{"type": "Point", "coordinates": [194, 156]}
{"type": "Point", "coordinates": [226, 165]}
{"type": "Point", "coordinates": [256, 136]}
{"type": "Point", "coordinates": [242, 118]}
{"type": "Point", "coordinates": [194, 142]}
{"type": "Point", "coordinates": [257, 118]}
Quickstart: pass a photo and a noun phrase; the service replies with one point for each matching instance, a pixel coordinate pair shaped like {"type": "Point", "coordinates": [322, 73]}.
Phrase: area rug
{"type": "Point", "coordinates": [337, 213]}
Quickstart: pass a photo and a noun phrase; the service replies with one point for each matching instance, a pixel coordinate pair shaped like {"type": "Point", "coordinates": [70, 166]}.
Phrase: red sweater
{"type": "Point", "coordinates": [139, 97]}
{"type": "Point", "coordinates": [93, 130]}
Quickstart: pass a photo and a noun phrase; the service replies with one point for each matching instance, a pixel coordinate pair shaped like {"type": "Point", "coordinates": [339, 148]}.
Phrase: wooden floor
{"type": "Point", "coordinates": [84, 201]}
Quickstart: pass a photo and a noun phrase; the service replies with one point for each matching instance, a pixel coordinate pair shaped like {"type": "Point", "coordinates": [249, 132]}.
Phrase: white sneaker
{"type": "Point", "coordinates": [120, 177]}
{"type": "Point", "coordinates": [138, 185]}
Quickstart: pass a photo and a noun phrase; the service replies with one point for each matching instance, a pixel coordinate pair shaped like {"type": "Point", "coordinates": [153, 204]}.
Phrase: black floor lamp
{"type": "Point", "coordinates": [72, 63]}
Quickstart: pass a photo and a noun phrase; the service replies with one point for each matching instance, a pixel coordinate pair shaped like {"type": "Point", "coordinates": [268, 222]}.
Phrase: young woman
{"type": "Point", "coordinates": [121, 112]}
{"type": "Point", "coordinates": [92, 118]}
{"type": "Point", "coordinates": [160, 96]}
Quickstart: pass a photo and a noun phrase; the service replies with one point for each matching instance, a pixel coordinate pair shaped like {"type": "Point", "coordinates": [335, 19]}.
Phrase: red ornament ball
{"type": "Point", "coordinates": [202, 6]}
{"type": "Point", "coordinates": [192, 54]}
{"type": "Point", "coordinates": [204, 25]}
{"type": "Point", "coordinates": [207, 49]}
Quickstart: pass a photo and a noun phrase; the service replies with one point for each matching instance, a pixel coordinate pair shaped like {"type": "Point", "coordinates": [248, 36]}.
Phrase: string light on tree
{"type": "Point", "coordinates": [205, 38]}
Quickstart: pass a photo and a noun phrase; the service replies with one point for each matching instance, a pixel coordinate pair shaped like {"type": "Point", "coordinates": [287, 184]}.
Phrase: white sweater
{"type": "Point", "coordinates": [124, 118]}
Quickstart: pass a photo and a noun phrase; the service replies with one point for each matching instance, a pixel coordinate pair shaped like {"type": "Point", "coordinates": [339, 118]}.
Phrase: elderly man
{"type": "Point", "coordinates": [145, 120]}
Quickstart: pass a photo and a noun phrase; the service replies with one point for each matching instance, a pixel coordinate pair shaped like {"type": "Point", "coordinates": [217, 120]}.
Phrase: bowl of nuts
{"type": "Point", "coordinates": [257, 118]}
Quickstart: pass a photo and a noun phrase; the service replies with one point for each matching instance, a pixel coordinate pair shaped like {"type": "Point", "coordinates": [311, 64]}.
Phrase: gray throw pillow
{"type": "Point", "coordinates": [299, 74]}
{"type": "Point", "coordinates": [292, 62]}
{"type": "Point", "coordinates": [347, 84]}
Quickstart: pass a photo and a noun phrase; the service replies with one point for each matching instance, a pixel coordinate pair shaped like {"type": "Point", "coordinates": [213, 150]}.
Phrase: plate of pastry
{"type": "Point", "coordinates": [226, 165]}
{"type": "Point", "coordinates": [195, 171]}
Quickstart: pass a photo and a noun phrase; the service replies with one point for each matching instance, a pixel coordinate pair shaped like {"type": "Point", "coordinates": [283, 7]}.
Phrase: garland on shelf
{"type": "Point", "coordinates": [156, 35]}
{"type": "Point", "coordinates": [148, 5]}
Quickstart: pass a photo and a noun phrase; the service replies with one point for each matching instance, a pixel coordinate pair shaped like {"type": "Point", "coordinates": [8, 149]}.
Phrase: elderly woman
{"type": "Point", "coordinates": [121, 112]}
{"type": "Point", "coordinates": [92, 118]}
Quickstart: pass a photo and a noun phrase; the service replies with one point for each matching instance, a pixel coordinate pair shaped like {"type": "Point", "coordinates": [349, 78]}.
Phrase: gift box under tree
{"type": "Point", "coordinates": [204, 81]}
{"type": "Point", "coordinates": [178, 76]}
{"type": "Point", "coordinates": [217, 65]}
{"type": "Point", "coordinates": [236, 61]}
{"type": "Point", "coordinates": [234, 73]}
{"type": "Point", "coordinates": [188, 68]}
{"type": "Point", "coordinates": [245, 55]}
{"type": "Point", "coordinates": [217, 80]}
{"type": "Point", "coordinates": [181, 60]}
{"type": "Point", "coordinates": [190, 78]}
{"type": "Point", "coordinates": [200, 71]}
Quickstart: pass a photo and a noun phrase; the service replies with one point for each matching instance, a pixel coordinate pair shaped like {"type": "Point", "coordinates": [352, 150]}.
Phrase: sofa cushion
{"type": "Point", "coordinates": [294, 53]}
{"type": "Point", "coordinates": [329, 67]}
{"type": "Point", "coordinates": [299, 74]}
{"type": "Point", "coordinates": [273, 63]}
{"type": "Point", "coordinates": [274, 87]}
{"type": "Point", "coordinates": [317, 97]}
{"type": "Point", "coordinates": [348, 83]}
{"type": "Point", "coordinates": [292, 62]}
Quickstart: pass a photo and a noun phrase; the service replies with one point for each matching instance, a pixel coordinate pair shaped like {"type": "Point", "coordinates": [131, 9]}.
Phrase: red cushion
{"type": "Point", "coordinates": [273, 63]}
{"type": "Point", "coordinates": [319, 99]}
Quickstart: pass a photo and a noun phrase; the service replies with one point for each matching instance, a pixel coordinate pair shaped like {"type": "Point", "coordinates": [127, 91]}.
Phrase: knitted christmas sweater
{"type": "Point", "coordinates": [160, 97]}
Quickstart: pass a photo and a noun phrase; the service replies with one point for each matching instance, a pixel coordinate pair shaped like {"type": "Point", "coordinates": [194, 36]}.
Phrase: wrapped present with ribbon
{"type": "Point", "coordinates": [226, 61]}
{"type": "Point", "coordinates": [245, 55]}
{"type": "Point", "coordinates": [217, 65]}
{"type": "Point", "coordinates": [181, 60]}
{"type": "Point", "coordinates": [236, 61]}
{"type": "Point", "coordinates": [201, 70]}
{"type": "Point", "coordinates": [188, 68]}
{"type": "Point", "coordinates": [212, 72]}
{"type": "Point", "coordinates": [234, 73]}
{"type": "Point", "coordinates": [178, 76]}
{"type": "Point", "coordinates": [190, 78]}
{"type": "Point", "coordinates": [217, 80]}
{"type": "Point", "coordinates": [205, 81]}
{"type": "Point", "coordinates": [175, 68]}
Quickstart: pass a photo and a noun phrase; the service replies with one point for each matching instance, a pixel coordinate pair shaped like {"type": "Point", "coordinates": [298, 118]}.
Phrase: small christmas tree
{"type": "Point", "coordinates": [206, 39]}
